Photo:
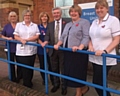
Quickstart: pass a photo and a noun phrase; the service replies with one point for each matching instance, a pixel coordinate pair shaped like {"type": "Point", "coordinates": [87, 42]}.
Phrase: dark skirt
{"type": "Point", "coordinates": [75, 65]}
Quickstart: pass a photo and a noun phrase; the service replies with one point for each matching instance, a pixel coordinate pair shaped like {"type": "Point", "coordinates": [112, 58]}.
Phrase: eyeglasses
{"type": "Point", "coordinates": [27, 15]}
{"type": "Point", "coordinates": [12, 16]}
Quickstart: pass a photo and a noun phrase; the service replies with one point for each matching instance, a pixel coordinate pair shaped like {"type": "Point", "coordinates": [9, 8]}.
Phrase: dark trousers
{"type": "Point", "coordinates": [19, 72]}
{"type": "Point", "coordinates": [26, 72]}
{"type": "Point", "coordinates": [98, 77]}
{"type": "Point", "coordinates": [12, 67]}
{"type": "Point", "coordinates": [41, 60]}
{"type": "Point", "coordinates": [57, 61]}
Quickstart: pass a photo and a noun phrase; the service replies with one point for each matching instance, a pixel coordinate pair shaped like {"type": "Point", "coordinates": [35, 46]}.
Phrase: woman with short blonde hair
{"type": "Point", "coordinates": [7, 33]}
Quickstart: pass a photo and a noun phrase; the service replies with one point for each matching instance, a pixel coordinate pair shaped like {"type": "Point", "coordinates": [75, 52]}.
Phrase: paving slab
{"type": "Point", "coordinates": [5, 93]}
{"type": "Point", "coordinates": [37, 83]}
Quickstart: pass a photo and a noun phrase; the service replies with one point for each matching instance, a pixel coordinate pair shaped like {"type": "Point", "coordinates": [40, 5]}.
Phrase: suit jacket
{"type": "Point", "coordinates": [77, 32]}
{"type": "Point", "coordinates": [50, 33]}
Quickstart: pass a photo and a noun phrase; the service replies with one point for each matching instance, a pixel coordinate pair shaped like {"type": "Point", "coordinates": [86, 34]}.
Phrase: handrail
{"type": "Point", "coordinates": [104, 87]}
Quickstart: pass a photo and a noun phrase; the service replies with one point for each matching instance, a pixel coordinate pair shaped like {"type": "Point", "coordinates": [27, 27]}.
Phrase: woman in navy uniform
{"type": "Point", "coordinates": [44, 19]}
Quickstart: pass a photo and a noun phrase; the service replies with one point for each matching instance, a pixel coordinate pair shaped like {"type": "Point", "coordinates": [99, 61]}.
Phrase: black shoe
{"type": "Point", "coordinates": [17, 80]}
{"type": "Point", "coordinates": [54, 89]}
{"type": "Point", "coordinates": [64, 91]}
{"type": "Point", "coordinates": [29, 85]}
{"type": "Point", "coordinates": [13, 80]}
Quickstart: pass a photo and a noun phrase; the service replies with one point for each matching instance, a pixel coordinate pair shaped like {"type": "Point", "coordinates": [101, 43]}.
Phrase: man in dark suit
{"type": "Point", "coordinates": [56, 56]}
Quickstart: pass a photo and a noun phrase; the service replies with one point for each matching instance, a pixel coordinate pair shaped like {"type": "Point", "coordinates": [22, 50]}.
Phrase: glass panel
{"type": "Point", "coordinates": [61, 3]}
{"type": "Point", "coordinates": [68, 2]}
{"type": "Point", "coordinates": [65, 13]}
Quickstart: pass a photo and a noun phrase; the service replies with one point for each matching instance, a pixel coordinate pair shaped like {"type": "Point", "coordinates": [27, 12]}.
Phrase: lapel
{"type": "Point", "coordinates": [63, 24]}
{"type": "Point", "coordinates": [52, 27]}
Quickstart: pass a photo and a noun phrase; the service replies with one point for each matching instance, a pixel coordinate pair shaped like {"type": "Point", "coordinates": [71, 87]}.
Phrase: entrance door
{"type": "Point", "coordinates": [21, 8]}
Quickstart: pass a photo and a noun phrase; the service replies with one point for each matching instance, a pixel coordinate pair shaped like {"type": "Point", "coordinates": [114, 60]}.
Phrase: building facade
{"type": "Point", "coordinates": [38, 6]}
{"type": "Point", "coordinates": [47, 5]}
{"type": "Point", "coordinates": [13, 5]}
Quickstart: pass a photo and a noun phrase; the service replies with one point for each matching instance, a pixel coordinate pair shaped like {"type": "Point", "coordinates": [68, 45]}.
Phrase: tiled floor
{"type": "Point", "coordinates": [4, 93]}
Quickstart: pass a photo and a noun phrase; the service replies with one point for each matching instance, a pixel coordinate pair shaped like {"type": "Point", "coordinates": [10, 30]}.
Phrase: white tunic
{"type": "Point", "coordinates": [102, 35]}
{"type": "Point", "coordinates": [26, 32]}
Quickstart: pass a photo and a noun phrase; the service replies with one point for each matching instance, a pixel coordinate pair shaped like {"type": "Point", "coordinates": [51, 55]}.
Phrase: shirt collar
{"type": "Point", "coordinates": [41, 25]}
{"type": "Point", "coordinates": [58, 21]}
{"type": "Point", "coordinates": [31, 23]}
{"type": "Point", "coordinates": [104, 19]}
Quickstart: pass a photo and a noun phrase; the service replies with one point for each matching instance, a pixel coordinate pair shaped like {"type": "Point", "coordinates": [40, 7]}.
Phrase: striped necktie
{"type": "Point", "coordinates": [56, 32]}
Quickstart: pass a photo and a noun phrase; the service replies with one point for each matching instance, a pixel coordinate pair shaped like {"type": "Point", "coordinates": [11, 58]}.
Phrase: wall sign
{"type": "Point", "coordinates": [88, 10]}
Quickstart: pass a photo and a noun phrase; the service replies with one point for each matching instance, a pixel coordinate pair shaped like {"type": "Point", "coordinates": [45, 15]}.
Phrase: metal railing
{"type": "Point", "coordinates": [46, 71]}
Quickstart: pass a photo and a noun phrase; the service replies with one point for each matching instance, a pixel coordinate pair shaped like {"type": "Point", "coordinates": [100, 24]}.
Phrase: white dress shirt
{"type": "Point", "coordinates": [60, 28]}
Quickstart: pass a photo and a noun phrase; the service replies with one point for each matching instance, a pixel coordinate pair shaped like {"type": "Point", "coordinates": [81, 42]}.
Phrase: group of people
{"type": "Point", "coordinates": [102, 36]}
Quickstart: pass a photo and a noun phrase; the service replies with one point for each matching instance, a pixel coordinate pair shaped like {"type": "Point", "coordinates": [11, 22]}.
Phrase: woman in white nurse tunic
{"type": "Point", "coordinates": [26, 31]}
{"type": "Point", "coordinates": [104, 34]}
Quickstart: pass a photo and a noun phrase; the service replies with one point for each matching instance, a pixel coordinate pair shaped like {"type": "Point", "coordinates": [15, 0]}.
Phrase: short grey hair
{"type": "Point", "coordinates": [57, 8]}
{"type": "Point", "coordinates": [12, 13]}
{"type": "Point", "coordinates": [26, 11]}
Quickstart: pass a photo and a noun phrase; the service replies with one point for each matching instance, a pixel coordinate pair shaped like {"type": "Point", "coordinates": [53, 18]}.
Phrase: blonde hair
{"type": "Point", "coordinates": [42, 14]}
{"type": "Point", "coordinates": [103, 3]}
{"type": "Point", "coordinates": [76, 8]}
{"type": "Point", "coordinates": [12, 13]}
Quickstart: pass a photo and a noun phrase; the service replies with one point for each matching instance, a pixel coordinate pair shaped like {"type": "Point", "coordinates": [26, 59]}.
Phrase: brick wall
{"type": "Point", "coordinates": [4, 15]}
{"type": "Point", "coordinates": [116, 8]}
{"type": "Point", "coordinates": [83, 1]}
{"type": "Point", "coordinates": [42, 6]}
{"type": "Point", "coordinates": [47, 5]}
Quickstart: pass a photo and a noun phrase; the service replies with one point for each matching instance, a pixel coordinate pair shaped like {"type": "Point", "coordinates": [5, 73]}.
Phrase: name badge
{"type": "Point", "coordinates": [22, 47]}
{"type": "Point", "coordinates": [43, 33]}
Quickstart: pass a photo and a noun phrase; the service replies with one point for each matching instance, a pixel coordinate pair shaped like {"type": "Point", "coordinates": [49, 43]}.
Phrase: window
{"type": "Point", "coordinates": [21, 8]}
{"type": "Point", "coordinates": [65, 5]}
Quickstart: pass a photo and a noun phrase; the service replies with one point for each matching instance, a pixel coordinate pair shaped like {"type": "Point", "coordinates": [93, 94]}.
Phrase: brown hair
{"type": "Point", "coordinates": [42, 14]}
{"type": "Point", "coordinates": [76, 8]}
{"type": "Point", "coordinates": [101, 3]}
